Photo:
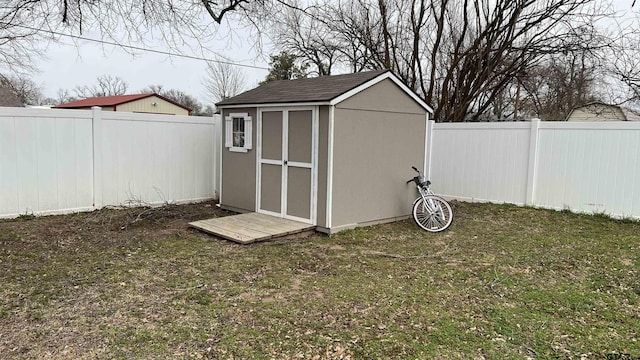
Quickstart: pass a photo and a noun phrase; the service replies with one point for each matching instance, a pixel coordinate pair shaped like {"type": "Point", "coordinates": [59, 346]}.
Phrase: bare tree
{"type": "Point", "coordinates": [461, 55]}
{"type": "Point", "coordinates": [107, 85]}
{"type": "Point", "coordinates": [562, 82]}
{"type": "Point", "coordinates": [24, 23]}
{"type": "Point", "coordinates": [64, 96]}
{"type": "Point", "coordinates": [184, 99]}
{"type": "Point", "coordinates": [497, 42]}
{"type": "Point", "coordinates": [127, 21]}
{"type": "Point", "coordinates": [25, 89]}
{"type": "Point", "coordinates": [305, 36]}
{"type": "Point", "coordinates": [179, 97]}
{"type": "Point", "coordinates": [130, 14]}
{"type": "Point", "coordinates": [355, 25]}
{"type": "Point", "coordinates": [625, 65]}
{"type": "Point", "coordinates": [21, 22]}
{"type": "Point", "coordinates": [155, 89]}
{"type": "Point", "coordinates": [223, 80]}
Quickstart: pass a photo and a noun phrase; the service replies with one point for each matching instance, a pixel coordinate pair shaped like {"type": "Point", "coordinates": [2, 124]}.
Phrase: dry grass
{"type": "Point", "coordinates": [503, 282]}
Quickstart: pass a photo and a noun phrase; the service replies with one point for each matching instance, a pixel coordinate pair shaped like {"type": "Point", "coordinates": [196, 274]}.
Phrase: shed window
{"type": "Point", "coordinates": [238, 132]}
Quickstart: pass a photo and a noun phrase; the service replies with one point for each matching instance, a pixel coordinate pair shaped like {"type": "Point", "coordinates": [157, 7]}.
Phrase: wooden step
{"type": "Point", "coordinates": [250, 227]}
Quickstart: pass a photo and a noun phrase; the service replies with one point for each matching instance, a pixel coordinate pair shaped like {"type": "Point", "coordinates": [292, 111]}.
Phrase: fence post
{"type": "Point", "coordinates": [533, 161]}
{"type": "Point", "coordinates": [217, 161]}
{"type": "Point", "coordinates": [96, 133]}
{"type": "Point", "coordinates": [428, 149]}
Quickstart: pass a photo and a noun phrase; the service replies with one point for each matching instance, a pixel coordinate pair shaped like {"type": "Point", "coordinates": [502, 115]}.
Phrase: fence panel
{"type": "Point", "coordinates": [590, 167]}
{"type": "Point", "coordinates": [585, 167]}
{"type": "Point", "coordinates": [157, 158]}
{"type": "Point", "coordinates": [56, 161]}
{"type": "Point", "coordinates": [45, 161]}
{"type": "Point", "coordinates": [480, 161]}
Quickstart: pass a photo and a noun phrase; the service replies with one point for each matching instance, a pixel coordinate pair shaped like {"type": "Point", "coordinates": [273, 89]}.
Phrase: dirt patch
{"type": "Point", "coordinates": [108, 224]}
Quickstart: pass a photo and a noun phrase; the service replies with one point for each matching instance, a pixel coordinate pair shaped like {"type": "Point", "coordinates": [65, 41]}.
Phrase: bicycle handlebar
{"type": "Point", "coordinates": [417, 179]}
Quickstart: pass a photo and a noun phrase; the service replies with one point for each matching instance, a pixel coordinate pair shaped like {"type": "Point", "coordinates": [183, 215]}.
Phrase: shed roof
{"type": "Point", "coordinates": [112, 101]}
{"type": "Point", "coordinates": [317, 90]}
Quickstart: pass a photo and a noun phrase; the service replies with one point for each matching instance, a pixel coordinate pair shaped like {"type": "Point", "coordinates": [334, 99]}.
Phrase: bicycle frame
{"type": "Point", "coordinates": [421, 184]}
{"type": "Point", "coordinates": [430, 212]}
{"type": "Point", "coordinates": [424, 190]}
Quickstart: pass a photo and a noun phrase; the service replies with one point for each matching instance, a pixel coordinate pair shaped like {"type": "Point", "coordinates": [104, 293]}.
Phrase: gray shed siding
{"type": "Point", "coordinates": [378, 135]}
{"type": "Point", "coordinates": [239, 170]}
{"type": "Point", "coordinates": [384, 96]}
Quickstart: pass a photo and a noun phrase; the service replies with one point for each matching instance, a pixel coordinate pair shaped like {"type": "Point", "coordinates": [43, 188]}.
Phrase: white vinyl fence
{"type": "Point", "coordinates": [57, 161]}
{"type": "Point", "coordinates": [591, 167]}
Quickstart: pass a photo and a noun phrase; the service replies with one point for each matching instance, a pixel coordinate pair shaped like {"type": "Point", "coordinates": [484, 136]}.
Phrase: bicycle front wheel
{"type": "Point", "coordinates": [432, 213]}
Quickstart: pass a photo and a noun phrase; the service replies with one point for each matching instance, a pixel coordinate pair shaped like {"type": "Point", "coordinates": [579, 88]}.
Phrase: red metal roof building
{"type": "Point", "coordinates": [145, 103]}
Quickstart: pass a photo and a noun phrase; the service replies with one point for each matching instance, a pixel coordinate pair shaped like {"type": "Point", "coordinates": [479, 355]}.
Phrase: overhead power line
{"type": "Point", "coordinates": [132, 47]}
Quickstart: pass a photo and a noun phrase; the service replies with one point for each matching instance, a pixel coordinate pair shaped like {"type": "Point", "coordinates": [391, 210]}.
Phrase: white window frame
{"type": "Point", "coordinates": [248, 131]}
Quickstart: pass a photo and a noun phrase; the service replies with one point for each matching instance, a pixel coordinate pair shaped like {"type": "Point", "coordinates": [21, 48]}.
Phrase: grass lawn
{"type": "Point", "coordinates": [502, 283]}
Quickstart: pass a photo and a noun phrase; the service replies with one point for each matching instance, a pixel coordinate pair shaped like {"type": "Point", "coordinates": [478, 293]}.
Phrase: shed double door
{"type": "Point", "coordinates": [287, 143]}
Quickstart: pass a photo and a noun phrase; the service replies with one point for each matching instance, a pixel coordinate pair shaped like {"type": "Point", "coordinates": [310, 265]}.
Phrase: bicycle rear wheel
{"type": "Point", "coordinates": [432, 213]}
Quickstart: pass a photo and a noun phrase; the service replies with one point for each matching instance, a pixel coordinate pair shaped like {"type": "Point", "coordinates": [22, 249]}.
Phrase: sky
{"type": "Point", "coordinates": [68, 63]}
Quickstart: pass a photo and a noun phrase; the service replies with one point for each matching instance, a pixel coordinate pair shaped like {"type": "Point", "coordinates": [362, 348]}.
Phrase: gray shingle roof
{"type": "Point", "coordinates": [324, 88]}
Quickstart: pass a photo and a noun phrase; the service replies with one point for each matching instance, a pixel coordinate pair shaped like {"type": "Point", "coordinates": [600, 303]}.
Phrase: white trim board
{"type": "Point", "coordinates": [258, 161]}
{"type": "Point", "coordinates": [387, 75]}
{"type": "Point", "coordinates": [315, 151]}
{"type": "Point", "coordinates": [274, 106]}
{"type": "Point", "coordinates": [330, 136]}
{"type": "Point", "coordinates": [313, 166]}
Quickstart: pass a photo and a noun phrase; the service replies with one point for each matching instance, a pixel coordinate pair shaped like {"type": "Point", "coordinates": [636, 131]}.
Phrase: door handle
{"type": "Point", "coordinates": [285, 162]}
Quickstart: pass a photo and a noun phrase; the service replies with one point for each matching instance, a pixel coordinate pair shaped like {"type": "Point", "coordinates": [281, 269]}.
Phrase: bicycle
{"type": "Point", "coordinates": [430, 212]}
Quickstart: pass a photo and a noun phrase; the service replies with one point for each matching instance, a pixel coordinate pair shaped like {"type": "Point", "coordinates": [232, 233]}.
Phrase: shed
{"type": "Point", "coordinates": [598, 111]}
{"type": "Point", "coordinates": [141, 103]}
{"type": "Point", "coordinates": [333, 151]}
